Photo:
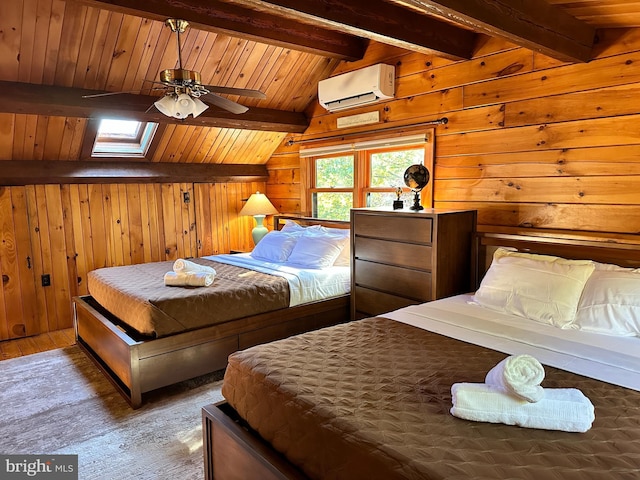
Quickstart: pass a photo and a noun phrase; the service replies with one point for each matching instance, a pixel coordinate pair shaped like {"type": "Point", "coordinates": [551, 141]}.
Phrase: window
{"type": "Point", "coordinates": [365, 177]}
{"type": "Point", "coordinates": [386, 173]}
{"type": "Point", "coordinates": [333, 187]}
{"type": "Point", "coordinates": [123, 138]}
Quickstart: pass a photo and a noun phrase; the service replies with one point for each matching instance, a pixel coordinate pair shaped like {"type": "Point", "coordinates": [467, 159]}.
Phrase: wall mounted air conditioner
{"type": "Point", "coordinates": [355, 89]}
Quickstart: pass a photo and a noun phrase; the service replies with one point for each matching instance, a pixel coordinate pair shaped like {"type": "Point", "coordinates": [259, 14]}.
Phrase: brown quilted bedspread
{"type": "Point", "coordinates": [137, 295]}
{"type": "Point", "coordinates": [371, 399]}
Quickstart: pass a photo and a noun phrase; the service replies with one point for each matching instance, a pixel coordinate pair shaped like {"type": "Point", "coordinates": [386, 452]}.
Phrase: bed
{"type": "Point", "coordinates": [144, 335]}
{"type": "Point", "coordinates": [372, 398]}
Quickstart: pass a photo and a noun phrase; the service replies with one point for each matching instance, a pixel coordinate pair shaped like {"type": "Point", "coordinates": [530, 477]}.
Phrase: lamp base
{"type": "Point", "coordinates": [259, 230]}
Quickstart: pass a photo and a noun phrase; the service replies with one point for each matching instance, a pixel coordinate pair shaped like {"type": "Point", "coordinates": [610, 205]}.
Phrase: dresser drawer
{"type": "Point", "coordinates": [406, 229]}
{"type": "Point", "coordinates": [371, 302]}
{"type": "Point", "coordinates": [394, 253]}
{"type": "Point", "coordinates": [395, 280]}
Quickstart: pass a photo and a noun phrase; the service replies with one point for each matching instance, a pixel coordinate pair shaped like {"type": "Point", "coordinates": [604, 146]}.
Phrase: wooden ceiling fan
{"type": "Point", "coordinates": [184, 92]}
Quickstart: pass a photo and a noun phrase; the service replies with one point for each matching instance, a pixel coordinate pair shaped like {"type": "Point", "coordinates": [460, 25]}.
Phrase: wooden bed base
{"type": "Point", "coordinates": [137, 365]}
{"type": "Point", "coordinates": [237, 452]}
{"type": "Point", "coordinates": [233, 451]}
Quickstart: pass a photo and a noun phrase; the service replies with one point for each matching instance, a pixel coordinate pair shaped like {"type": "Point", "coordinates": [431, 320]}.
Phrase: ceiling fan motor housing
{"type": "Point", "coordinates": [180, 77]}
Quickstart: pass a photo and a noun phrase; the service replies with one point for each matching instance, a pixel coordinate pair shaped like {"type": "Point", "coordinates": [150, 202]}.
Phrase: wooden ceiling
{"type": "Point", "coordinates": [54, 51]}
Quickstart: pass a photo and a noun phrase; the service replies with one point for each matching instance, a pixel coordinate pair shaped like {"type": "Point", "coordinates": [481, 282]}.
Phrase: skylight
{"type": "Point", "coordinates": [123, 138]}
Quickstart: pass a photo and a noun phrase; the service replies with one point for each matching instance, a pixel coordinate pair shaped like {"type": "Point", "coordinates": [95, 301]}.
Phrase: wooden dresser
{"type": "Point", "coordinates": [402, 257]}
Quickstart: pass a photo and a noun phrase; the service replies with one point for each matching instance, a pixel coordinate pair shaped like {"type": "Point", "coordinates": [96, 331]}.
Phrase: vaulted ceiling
{"type": "Point", "coordinates": [52, 52]}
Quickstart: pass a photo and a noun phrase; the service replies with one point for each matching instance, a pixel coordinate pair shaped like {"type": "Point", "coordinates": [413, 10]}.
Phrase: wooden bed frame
{"type": "Point", "coordinates": [233, 451]}
{"type": "Point", "coordinates": [136, 365]}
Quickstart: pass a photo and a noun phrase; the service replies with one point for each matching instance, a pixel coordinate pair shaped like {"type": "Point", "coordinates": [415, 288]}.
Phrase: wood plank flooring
{"type": "Point", "coordinates": [38, 343]}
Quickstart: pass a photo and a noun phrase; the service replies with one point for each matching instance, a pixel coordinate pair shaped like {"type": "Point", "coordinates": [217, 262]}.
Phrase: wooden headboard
{"type": "Point", "coordinates": [278, 222]}
{"type": "Point", "coordinates": [623, 251]}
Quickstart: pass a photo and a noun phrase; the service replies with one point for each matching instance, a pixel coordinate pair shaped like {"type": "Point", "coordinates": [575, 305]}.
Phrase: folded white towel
{"type": "Point", "coordinates": [185, 266]}
{"type": "Point", "coordinates": [520, 375]}
{"type": "Point", "coordinates": [197, 279]}
{"type": "Point", "coordinates": [565, 409]}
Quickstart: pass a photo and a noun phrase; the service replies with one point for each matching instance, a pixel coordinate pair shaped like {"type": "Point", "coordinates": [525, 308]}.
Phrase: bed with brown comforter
{"type": "Point", "coordinates": [137, 296]}
{"type": "Point", "coordinates": [371, 400]}
{"type": "Point", "coordinates": [144, 335]}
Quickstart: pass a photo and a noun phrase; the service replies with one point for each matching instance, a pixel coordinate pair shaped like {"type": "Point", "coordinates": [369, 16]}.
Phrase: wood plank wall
{"type": "Point", "coordinates": [533, 144]}
{"type": "Point", "coordinates": [65, 231]}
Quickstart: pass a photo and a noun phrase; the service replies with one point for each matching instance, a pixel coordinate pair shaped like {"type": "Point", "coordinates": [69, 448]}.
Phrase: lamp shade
{"type": "Point", "coordinates": [184, 106]}
{"type": "Point", "coordinates": [198, 107]}
{"type": "Point", "coordinates": [180, 106]}
{"type": "Point", "coordinates": [166, 105]}
{"type": "Point", "coordinates": [258, 204]}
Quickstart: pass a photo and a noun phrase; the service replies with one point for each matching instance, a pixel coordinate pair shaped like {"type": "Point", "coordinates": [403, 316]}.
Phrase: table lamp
{"type": "Point", "coordinates": [258, 205]}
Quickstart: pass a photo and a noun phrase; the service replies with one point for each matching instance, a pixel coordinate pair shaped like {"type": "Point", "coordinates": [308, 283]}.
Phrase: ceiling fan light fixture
{"type": "Point", "coordinates": [166, 105]}
{"type": "Point", "coordinates": [184, 105]}
{"type": "Point", "coordinates": [180, 106]}
{"type": "Point", "coordinates": [198, 107]}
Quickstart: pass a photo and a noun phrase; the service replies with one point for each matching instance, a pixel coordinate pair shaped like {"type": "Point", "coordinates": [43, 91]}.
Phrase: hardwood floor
{"type": "Point", "coordinates": [38, 343]}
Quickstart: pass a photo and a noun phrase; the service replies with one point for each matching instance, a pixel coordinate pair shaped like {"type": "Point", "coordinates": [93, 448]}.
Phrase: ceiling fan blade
{"type": "Point", "coordinates": [244, 92]}
{"type": "Point", "coordinates": [224, 103]}
{"type": "Point", "coordinates": [106, 94]}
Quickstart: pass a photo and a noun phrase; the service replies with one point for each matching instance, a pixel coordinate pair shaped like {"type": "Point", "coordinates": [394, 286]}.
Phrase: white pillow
{"type": "Point", "coordinates": [610, 302]}
{"type": "Point", "coordinates": [611, 266]}
{"type": "Point", "coordinates": [543, 288]}
{"type": "Point", "coordinates": [317, 248]}
{"type": "Point", "coordinates": [344, 258]}
{"type": "Point", "coordinates": [275, 246]}
{"type": "Point", "coordinates": [291, 226]}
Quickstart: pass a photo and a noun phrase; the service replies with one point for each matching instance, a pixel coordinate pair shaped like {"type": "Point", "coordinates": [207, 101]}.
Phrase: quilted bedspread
{"type": "Point", "coordinates": [136, 294]}
{"type": "Point", "coordinates": [370, 400]}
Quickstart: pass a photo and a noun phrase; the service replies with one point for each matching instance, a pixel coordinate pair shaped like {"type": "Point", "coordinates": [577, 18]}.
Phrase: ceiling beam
{"type": "Point", "coordinates": [27, 98]}
{"type": "Point", "coordinates": [239, 21]}
{"type": "Point", "coordinates": [376, 20]}
{"type": "Point", "coordinates": [115, 170]}
{"type": "Point", "coordinates": [534, 24]}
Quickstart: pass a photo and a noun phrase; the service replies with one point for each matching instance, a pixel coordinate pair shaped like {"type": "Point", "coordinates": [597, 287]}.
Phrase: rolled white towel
{"type": "Point", "coordinates": [565, 409]}
{"type": "Point", "coordinates": [185, 266]}
{"type": "Point", "coordinates": [197, 279]}
{"type": "Point", "coordinates": [519, 375]}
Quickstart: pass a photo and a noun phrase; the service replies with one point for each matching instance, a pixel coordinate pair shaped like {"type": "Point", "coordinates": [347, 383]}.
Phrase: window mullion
{"type": "Point", "coordinates": [361, 178]}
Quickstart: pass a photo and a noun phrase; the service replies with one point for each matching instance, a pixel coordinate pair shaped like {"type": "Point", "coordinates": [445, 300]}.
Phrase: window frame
{"type": "Point", "coordinates": [367, 164]}
{"type": "Point", "coordinates": [362, 174]}
{"type": "Point", "coordinates": [311, 190]}
{"type": "Point", "coordinates": [91, 137]}
{"type": "Point", "coordinates": [125, 146]}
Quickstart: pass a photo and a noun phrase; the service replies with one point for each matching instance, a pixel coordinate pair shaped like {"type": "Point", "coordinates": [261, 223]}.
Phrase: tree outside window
{"type": "Point", "coordinates": [332, 194]}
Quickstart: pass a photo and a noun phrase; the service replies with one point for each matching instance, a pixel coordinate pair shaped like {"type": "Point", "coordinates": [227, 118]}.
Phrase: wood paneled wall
{"type": "Point", "coordinates": [531, 143]}
{"type": "Point", "coordinates": [65, 231]}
